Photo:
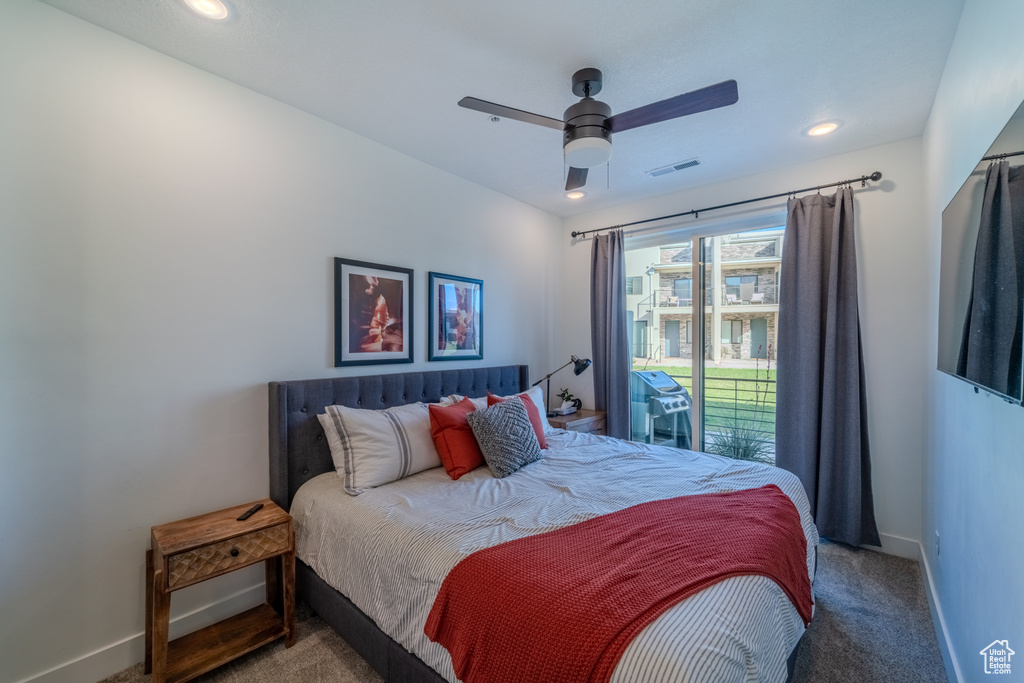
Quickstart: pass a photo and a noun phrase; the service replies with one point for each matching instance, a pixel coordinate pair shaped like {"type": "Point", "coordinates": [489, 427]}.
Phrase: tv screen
{"type": "Point", "coordinates": [981, 287]}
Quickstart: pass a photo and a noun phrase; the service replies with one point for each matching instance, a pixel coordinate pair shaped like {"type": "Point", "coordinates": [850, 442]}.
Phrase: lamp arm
{"type": "Point", "coordinates": [548, 376]}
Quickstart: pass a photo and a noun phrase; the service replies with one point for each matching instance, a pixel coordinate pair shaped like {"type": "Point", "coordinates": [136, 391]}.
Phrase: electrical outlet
{"type": "Point", "coordinates": [938, 548]}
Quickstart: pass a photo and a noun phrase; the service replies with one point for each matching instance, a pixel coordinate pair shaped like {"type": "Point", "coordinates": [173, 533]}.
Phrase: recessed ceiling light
{"type": "Point", "coordinates": [211, 9]}
{"type": "Point", "coordinates": [576, 194]}
{"type": "Point", "coordinates": [822, 128]}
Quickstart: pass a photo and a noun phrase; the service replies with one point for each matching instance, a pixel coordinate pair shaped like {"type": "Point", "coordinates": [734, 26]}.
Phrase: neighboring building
{"type": "Point", "coordinates": [741, 307]}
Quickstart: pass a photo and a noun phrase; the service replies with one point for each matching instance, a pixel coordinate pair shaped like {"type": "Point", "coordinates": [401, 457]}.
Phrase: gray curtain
{"type": "Point", "coordinates": [821, 430]}
{"type": "Point", "coordinates": [608, 331]}
{"type": "Point", "coordinates": [990, 350]}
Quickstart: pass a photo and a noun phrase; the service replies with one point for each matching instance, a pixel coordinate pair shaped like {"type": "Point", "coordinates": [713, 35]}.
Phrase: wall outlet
{"type": "Point", "coordinates": [938, 548]}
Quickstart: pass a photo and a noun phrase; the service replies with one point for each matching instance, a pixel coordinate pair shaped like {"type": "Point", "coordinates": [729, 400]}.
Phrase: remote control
{"type": "Point", "coordinates": [250, 512]}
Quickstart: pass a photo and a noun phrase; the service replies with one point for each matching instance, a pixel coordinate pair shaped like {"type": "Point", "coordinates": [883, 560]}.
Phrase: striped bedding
{"type": "Point", "coordinates": [390, 548]}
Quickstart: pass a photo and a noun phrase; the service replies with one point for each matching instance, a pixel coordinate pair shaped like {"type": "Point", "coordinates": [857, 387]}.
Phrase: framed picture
{"type": "Point", "coordinates": [456, 318]}
{"type": "Point", "coordinates": [372, 313]}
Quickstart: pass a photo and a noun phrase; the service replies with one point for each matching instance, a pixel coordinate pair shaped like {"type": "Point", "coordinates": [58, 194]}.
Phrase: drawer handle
{"type": "Point", "coordinates": [234, 552]}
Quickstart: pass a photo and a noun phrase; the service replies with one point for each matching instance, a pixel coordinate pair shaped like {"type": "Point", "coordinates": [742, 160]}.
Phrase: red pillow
{"type": "Point", "coordinates": [531, 410]}
{"type": "Point", "coordinates": [453, 438]}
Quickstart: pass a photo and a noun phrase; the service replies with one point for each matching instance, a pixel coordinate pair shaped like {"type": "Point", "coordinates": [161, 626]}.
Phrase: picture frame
{"type": "Point", "coordinates": [455, 320]}
{"type": "Point", "coordinates": [373, 313]}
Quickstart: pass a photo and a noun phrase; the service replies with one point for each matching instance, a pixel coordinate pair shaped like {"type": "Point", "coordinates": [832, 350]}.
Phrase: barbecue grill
{"type": "Point", "coordinates": [660, 409]}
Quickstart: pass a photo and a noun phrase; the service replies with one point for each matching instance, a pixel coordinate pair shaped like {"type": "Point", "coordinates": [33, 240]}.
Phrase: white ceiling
{"type": "Point", "coordinates": [393, 71]}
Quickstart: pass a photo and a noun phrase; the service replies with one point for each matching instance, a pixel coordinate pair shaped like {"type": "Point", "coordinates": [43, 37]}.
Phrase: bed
{"type": "Point", "coordinates": [381, 615]}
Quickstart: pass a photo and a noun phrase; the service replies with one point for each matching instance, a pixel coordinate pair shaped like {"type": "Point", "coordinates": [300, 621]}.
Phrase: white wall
{"type": "Point", "coordinates": [165, 250]}
{"type": "Point", "coordinates": [892, 284]}
{"type": "Point", "coordinates": [974, 484]}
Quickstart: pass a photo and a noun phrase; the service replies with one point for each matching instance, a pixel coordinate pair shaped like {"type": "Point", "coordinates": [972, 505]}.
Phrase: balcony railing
{"type": "Point", "coordinates": [765, 295]}
{"type": "Point", "coordinates": [739, 416]}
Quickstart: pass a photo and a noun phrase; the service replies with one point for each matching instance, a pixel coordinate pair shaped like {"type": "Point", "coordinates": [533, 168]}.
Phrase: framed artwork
{"type": "Point", "coordinates": [372, 313]}
{"type": "Point", "coordinates": [456, 318]}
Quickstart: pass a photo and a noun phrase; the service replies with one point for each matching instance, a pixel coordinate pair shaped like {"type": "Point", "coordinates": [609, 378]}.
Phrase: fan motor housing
{"type": "Point", "coordinates": [588, 118]}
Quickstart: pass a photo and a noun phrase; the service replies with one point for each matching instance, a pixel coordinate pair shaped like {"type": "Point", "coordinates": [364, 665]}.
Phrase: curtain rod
{"type": "Point", "coordinates": [994, 157]}
{"type": "Point", "coordinates": [876, 176]}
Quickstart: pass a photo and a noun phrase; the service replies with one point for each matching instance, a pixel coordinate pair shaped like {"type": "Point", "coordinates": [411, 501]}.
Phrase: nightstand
{"type": "Point", "coordinates": [591, 421]}
{"type": "Point", "coordinates": [186, 552]}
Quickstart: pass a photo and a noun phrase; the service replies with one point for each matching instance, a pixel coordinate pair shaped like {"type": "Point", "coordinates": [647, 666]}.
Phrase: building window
{"type": "Point", "coordinates": [635, 284]}
{"type": "Point", "coordinates": [732, 331]}
{"type": "Point", "coordinates": [682, 288]}
{"type": "Point", "coordinates": [740, 287]}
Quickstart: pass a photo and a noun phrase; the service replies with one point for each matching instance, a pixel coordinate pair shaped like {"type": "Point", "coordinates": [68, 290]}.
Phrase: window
{"type": "Point", "coordinates": [682, 288]}
{"type": "Point", "coordinates": [732, 331]}
{"type": "Point", "coordinates": [635, 284]}
{"type": "Point", "coordinates": [740, 287]}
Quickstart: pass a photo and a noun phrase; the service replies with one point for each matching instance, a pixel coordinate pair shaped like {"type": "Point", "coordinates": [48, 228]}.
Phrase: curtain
{"type": "Point", "coordinates": [608, 331]}
{"type": "Point", "coordinates": [990, 350]}
{"type": "Point", "coordinates": [821, 430]}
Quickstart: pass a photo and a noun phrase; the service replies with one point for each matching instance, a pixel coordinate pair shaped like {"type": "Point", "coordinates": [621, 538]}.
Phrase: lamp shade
{"type": "Point", "coordinates": [579, 365]}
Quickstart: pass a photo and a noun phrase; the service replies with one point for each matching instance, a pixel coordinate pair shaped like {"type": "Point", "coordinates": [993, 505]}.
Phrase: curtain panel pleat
{"type": "Point", "coordinates": [608, 331]}
{"type": "Point", "coordinates": [821, 429]}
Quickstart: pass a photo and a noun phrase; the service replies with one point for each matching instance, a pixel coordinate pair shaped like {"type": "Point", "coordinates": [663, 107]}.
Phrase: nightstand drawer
{"type": "Point", "coordinates": [195, 565]}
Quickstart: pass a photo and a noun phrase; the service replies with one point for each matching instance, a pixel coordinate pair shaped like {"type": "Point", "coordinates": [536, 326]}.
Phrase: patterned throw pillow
{"type": "Point", "coordinates": [506, 436]}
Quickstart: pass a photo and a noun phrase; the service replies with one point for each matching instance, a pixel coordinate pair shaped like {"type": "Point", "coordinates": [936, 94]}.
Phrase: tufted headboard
{"type": "Point", "coordinates": [298, 448]}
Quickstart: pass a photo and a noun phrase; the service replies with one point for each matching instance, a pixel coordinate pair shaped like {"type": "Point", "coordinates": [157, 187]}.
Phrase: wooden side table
{"type": "Point", "coordinates": [199, 548]}
{"type": "Point", "coordinates": [591, 421]}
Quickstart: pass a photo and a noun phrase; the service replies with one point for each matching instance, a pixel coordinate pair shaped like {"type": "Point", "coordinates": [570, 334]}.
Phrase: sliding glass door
{"type": "Point", "coordinates": [710, 320]}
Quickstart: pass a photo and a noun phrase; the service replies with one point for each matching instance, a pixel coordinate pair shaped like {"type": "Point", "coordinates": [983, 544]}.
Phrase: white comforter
{"type": "Point", "coordinates": [390, 548]}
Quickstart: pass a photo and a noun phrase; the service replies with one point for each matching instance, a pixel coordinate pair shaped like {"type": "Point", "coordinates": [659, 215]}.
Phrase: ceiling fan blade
{"type": "Point", "coordinates": [720, 95]}
{"type": "Point", "coordinates": [577, 178]}
{"type": "Point", "coordinates": [510, 113]}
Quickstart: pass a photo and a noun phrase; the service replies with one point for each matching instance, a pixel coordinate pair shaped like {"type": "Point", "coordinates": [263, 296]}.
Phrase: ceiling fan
{"type": "Point", "coordinates": [587, 126]}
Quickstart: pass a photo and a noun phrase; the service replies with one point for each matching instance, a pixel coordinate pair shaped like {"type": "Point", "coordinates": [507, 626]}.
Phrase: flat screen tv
{"type": "Point", "coordinates": [981, 288]}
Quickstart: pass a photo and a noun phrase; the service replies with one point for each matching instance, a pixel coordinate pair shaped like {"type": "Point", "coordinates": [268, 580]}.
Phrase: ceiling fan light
{"type": "Point", "coordinates": [587, 152]}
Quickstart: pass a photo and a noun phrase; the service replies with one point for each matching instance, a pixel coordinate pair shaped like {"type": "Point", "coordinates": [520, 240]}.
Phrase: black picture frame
{"type": "Point", "coordinates": [373, 313]}
{"type": "Point", "coordinates": [455, 319]}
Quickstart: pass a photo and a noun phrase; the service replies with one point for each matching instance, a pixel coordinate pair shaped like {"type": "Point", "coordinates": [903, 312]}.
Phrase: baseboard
{"type": "Point", "coordinates": [939, 621]}
{"type": "Point", "coordinates": [899, 546]}
{"type": "Point", "coordinates": [108, 660]}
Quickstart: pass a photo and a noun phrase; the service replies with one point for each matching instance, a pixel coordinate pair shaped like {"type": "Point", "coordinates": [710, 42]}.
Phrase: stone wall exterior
{"type": "Point", "coordinates": [736, 351]}
{"type": "Point", "coordinates": [765, 282]}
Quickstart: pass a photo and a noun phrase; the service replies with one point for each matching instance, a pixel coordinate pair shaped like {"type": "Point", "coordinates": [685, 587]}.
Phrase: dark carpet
{"type": "Point", "coordinates": [871, 624]}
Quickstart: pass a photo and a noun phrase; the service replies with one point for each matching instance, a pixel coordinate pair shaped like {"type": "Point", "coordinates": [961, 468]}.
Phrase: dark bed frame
{"type": "Point", "coordinates": [299, 452]}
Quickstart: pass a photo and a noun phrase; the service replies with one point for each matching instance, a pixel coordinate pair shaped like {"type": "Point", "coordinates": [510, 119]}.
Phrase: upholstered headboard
{"type": "Point", "coordinates": [298, 447]}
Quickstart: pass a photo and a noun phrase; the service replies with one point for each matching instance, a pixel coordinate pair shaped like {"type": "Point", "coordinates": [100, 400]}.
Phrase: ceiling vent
{"type": "Point", "coordinates": [672, 168]}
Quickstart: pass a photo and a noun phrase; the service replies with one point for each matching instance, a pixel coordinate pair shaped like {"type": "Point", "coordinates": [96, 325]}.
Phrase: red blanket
{"type": "Point", "coordinates": [563, 605]}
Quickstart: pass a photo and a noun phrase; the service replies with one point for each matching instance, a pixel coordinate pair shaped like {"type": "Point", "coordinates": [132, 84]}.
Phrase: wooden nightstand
{"type": "Point", "coordinates": [591, 421]}
{"type": "Point", "coordinates": [199, 548]}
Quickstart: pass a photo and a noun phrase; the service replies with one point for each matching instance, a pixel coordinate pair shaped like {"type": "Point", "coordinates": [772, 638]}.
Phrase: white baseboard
{"type": "Point", "coordinates": [898, 546]}
{"type": "Point", "coordinates": [939, 621]}
{"type": "Point", "coordinates": [108, 660]}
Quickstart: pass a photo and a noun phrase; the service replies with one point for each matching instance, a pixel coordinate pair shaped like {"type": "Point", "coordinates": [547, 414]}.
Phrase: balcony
{"type": "Point", "coordinates": [766, 295]}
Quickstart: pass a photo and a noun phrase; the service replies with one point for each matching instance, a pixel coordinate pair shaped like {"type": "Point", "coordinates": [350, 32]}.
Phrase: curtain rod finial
{"type": "Point", "coordinates": [876, 176]}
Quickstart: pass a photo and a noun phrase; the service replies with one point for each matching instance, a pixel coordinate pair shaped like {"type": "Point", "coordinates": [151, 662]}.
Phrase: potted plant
{"type": "Point", "coordinates": [570, 404]}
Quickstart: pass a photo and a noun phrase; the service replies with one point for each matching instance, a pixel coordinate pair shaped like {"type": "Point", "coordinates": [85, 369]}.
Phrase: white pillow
{"type": "Point", "coordinates": [451, 399]}
{"type": "Point", "coordinates": [374, 447]}
{"type": "Point", "coordinates": [536, 395]}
